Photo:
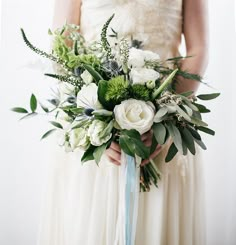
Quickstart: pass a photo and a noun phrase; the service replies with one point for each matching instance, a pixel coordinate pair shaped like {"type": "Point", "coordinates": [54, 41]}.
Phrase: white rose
{"type": "Point", "coordinates": [136, 58]}
{"type": "Point", "coordinates": [79, 138]}
{"type": "Point", "coordinates": [86, 77]}
{"type": "Point", "coordinates": [135, 114]}
{"type": "Point", "coordinates": [88, 98]}
{"type": "Point", "coordinates": [143, 75]}
{"type": "Point", "coordinates": [99, 132]}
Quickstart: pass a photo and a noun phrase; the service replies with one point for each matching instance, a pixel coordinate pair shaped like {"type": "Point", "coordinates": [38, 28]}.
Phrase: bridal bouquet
{"type": "Point", "coordinates": [113, 90]}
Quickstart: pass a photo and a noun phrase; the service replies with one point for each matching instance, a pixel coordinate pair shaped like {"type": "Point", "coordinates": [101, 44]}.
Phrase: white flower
{"type": "Point", "coordinates": [143, 75]}
{"type": "Point", "coordinates": [135, 114]}
{"type": "Point", "coordinates": [149, 55]}
{"type": "Point", "coordinates": [86, 77]}
{"type": "Point", "coordinates": [88, 98]}
{"type": "Point", "coordinates": [137, 57]}
{"type": "Point", "coordinates": [99, 132]}
{"type": "Point", "coordinates": [65, 90]}
{"type": "Point", "coordinates": [79, 138]}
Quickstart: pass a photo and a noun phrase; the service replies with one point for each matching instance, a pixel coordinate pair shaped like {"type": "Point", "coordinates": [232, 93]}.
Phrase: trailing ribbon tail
{"type": "Point", "coordinates": [128, 200]}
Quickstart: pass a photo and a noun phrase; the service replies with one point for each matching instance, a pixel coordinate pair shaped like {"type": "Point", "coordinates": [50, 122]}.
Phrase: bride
{"type": "Point", "coordinates": [81, 203]}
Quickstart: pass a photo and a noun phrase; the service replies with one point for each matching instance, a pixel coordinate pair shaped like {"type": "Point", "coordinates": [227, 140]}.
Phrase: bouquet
{"type": "Point", "coordinates": [116, 92]}
{"type": "Point", "coordinates": [112, 90]}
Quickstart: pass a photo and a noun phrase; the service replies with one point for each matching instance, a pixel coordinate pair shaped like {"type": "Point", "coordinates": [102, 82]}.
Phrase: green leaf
{"type": "Point", "coordinates": [88, 154]}
{"type": "Point", "coordinates": [208, 96]}
{"type": "Point", "coordinates": [198, 122]}
{"type": "Point", "coordinates": [56, 124]}
{"type": "Point", "coordinates": [127, 145]}
{"type": "Point", "coordinates": [159, 131]}
{"type": "Point", "coordinates": [140, 149]}
{"type": "Point", "coordinates": [182, 113]}
{"type": "Point", "coordinates": [33, 103]}
{"type": "Point", "coordinates": [45, 109]}
{"type": "Point", "coordinates": [188, 140]}
{"type": "Point", "coordinates": [185, 149]}
{"type": "Point", "coordinates": [98, 152]}
{"type": "Point", "coordinates": [132, 133]}
{"type": "Point", "coordinates": [97, 77]}
{"type": "Point", "coordinates": [171, 153]}
{"type": "Point", "coordinates": [186, 94]}
{"type": "Point", "coordinates": [102, 90]}
{"type": "Point", "coordinates": [161, 112]}
{"type": "Point", "coordinates": [167, 81]}
{"type": "Point", "coordinates": [176, 136]}
{"type": "Point", "coordinates": [154, 144]}
{"type": "Point", "coordinates": [202, 108]}
{"type": "Point", "coordinates": [29, 115]}
{"type": "Point", "coordinates": [201, 144]}
{"type": "Point", "coordinates": [206, 130]}
{"type": "Point", "coordinates": [194, 133]}
{"type": "Point", "coordinates": [48, 133]}
{"type": "Point", "coordinates": [19, 110]}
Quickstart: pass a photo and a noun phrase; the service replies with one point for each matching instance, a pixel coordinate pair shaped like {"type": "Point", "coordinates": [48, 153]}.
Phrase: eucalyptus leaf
{"type": "Point", "coordinates": [182, 113]}
{"type": "Point", "coordinates": [201, 144]}
{"type": "Point", "coordinates": [159, 131]}
{"type": "Point", "coordinates": [188, 140]}
{"type": "Point", "coordinates": [33, 103]}
{"type": "Point", "coordinates": [56, 124]}
{"type": "Point", "coordinates": [208, 96]}
{"type": "Point", "coordinates": [194, 133]}
{"type": "Point", "coordinates": [161, 112]}
{"type": "Point", "coordinates": [176, 136]}
{"type": "Point", "coordinates": [198, 122]}
{"type": "Point", "coordinates": [188, 110]}
{"type": "Point", "coordinates": [186, 94]}
{"type": "Point", "coordinates": [202, 108]}
{"type": "Point", "coordinates": [19, 110]}
{"type": "Point", "coordinates": [206, 130]}
{"type": "Point", "coordinates": [49, 132]}
{"type": "Point", "coordinates": [29, 115]}
{"type": "Point", "coordinates": [171, 153]}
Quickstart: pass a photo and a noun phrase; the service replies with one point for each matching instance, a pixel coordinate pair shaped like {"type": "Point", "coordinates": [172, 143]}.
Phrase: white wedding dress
{"type": "Point", "coordinates": [81, 203]}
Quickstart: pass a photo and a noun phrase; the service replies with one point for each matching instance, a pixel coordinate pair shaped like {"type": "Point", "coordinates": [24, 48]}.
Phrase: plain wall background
{"type": "Point", "coordinates": [23, 158]}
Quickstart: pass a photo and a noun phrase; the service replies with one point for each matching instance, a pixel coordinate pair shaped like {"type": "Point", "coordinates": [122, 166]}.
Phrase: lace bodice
{"type": "Point", "coordinates": [157, 23]}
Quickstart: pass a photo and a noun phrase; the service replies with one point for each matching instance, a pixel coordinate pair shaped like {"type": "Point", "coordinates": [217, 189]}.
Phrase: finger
{"type": "Point", "coordinates": [147, 143]}
{"type": "Point", "coordinates": [115, 162]}
{"type": "Point", "coordinates": [115, 146]}
{"type": "Point", "coordinates": [113, 154]}
{"type": "Point", "coordinates": [146, 136]}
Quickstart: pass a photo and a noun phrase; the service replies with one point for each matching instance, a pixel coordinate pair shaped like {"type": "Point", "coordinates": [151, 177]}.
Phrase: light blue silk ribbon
{"type": "Point", "coordinates": [129, 199]}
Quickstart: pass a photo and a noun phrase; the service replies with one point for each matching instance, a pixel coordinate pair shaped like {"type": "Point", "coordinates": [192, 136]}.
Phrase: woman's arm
{"type": "Point", "coordinates": [66, 10]}
{"type": "Point", "coordinates": [195, 30]}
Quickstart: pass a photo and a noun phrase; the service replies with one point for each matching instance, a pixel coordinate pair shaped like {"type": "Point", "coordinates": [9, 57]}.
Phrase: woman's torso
{"type": "Point", "coordinates": [157, 23]}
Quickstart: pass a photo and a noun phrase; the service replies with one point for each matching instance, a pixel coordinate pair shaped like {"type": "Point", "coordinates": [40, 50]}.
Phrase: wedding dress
{"type": "Point", "coordinates": [81, 203]}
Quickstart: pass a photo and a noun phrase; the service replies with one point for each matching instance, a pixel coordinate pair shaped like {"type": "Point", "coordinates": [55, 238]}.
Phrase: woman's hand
{"type": "Point", "coordinates": [114, 151]}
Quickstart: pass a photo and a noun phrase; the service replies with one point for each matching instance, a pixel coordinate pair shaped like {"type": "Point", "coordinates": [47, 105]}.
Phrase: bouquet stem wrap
{"type": "Point", "coordinates": [128, 199]}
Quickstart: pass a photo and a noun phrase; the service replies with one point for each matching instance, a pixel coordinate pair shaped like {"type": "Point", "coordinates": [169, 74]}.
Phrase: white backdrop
{"type": "Point", "coordinates": [23, 157]}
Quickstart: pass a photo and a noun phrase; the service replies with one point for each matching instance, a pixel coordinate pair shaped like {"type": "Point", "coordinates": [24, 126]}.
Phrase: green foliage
{"type": "Point", "coordinates": [208, 96]}
{"type": "Point", "coordinates": [139, 92]}
{"type": "Point", "coordinates": [38, 51]}
{"type": "Point", "coordinates": [104, 41]}
{"type": "Point", "coordinates": [117, 89]}
{"type": "Point", "coordinates": [49, 132]}
{"type": "Point", "coordinates": [96, 76]}
{"type": "Point", "coordinates": [33, 103]}
{"type": "Point", "coordinates": [19, 110]}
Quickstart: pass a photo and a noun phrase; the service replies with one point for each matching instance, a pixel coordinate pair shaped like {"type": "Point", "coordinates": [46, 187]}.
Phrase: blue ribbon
{"type": "Point", "coordinates": [129, 193]}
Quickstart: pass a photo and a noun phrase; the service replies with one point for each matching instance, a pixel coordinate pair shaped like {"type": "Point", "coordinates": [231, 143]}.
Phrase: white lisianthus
{"type": "Point", "coordinates": [135, 114]}
{"type": "Point", "coordinates": [143, 75]}
{"type": "Point", "coordinates": [98, 132]}
{"type": "Point", "coordinates": [149, 55]}
{"type": "Point", "coordinates": [79, 138]}
{"type": "Point", "coordinates": [88, 98]}
{"type": "Point", "coordinates": [86, 77]}
{"type": "Point", "coordinates": [137, 57]}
